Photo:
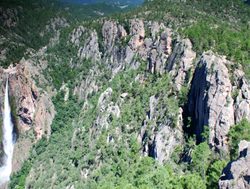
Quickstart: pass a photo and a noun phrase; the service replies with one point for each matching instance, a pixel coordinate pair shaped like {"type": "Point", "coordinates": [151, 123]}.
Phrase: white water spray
{"type": "Point", "coordinates": [8, 144]}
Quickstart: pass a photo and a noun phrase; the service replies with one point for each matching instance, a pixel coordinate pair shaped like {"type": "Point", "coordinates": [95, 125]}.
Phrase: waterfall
{"type": "Point", "coordinates": [7, 139]}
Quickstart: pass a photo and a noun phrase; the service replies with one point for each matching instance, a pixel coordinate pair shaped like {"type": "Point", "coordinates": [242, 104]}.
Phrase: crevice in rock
{"type": "Point", "coordinates": [194, 118]}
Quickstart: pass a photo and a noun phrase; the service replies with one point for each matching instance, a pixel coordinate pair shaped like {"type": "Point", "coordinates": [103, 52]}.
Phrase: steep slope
{"type": "Point", "coordinates": [129, 95]}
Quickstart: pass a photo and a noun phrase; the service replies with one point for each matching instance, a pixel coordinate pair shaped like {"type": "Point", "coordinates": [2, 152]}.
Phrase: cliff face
{"type": "Point", "coordinates": [210, 100]}
{"type": "Point", "coordinates": [32, 105]}
{"type": "Point", "coordinates": [32, 108]}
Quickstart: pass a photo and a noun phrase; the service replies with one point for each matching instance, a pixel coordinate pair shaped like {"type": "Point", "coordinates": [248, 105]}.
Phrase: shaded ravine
{"type": "Point", "coordinates": [8, 142]}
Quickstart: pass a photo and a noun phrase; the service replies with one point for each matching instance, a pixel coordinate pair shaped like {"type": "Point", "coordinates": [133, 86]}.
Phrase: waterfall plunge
{"type": "Point", "coordinates": [8, 144]}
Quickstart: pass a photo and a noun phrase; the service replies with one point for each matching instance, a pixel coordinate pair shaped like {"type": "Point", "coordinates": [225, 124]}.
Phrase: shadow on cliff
{"type": "Point", "coordinates": [14, 118]}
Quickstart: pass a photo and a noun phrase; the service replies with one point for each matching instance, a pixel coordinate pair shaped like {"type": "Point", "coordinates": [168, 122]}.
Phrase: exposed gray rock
{"type": "Point", "coordinates": [210, 102]}
{"type": "Point", "coordinates": [121, 32]}
{"type": "Point", "coordinates": [119, 54]}
{"type": "Point", "coordinates": [64, 88]}
{"type": "Point", "coordinates": [159, 139]}
{"type": "Point", "coordinates": [181, 62]}
{"type": "Point", "coordinates": [242, 102]}
{"type": "Point", "coordinates": [160, 51]}
{"type": "Point", "coordinates": [55, 39]}
{"type": "Point", "coordinates": [106, 108]}
{"type": "Point", "coordinates": [109, 32]}
{"type": "Point", "coordinates": [137, 32]}
{"type": "Point", "coordinates": [129, 55]}
{"type": "Point", "coordinates": [155, 29]}
{"type": "Point", "coordinates": [87, 86]}
{"type": "Point", "coordinates": [236, 175]}
{"type": "Point", "coordinates": [56, 23]}
{"type": "Point", "coordinates": [166, 140]}
{"type": "Point", "coordinates": [90, 50]}
{"type": "Point", "coordinates": [104, 99]}
{"type": "Point", "coordinates": [76, 35]}
{"type": "Point", "coordinates": [114, 52]}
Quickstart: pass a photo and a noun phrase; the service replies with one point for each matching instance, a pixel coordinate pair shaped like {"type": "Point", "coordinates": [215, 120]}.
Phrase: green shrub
{"type": "Point", "coordinates": [238, 132]}
{"type": "Point", "coordinates": [214, 172]}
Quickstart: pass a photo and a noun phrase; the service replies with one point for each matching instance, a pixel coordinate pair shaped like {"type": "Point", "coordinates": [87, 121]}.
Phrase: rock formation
{"type": "Point", "coordinates": [32, 107]}
{"type": "Point", "coordinates": [236, 174]}
{"type": "Point", "coordinates": [159, 139]}
{"type": "Point", "coordinates": [181, 62]}
{"type": "Point", "coordinates": [214, 99]}
{"type": "Point", "coordinates": [210, 100]}
{"type": "Point", "coordinates": [91, 48]}
{"type": "Point", "coordinates": [242, 95]}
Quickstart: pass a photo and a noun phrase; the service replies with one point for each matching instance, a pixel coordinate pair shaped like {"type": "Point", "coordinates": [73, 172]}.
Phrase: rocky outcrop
{"type": "Point", "coordinates": [137, 32]}
{"type": "Point", "coordinates": [214, 100]}
{"type": "Point", "coordinates": [55, 24]}
{"type": "Point", "coordinates": [128, 49]}
{"type": "Point", "coordinates": [34, 108]}
{"type": "Point", "coordinates": [242, 96]}
{"type": "Point", "coordinates": [88, 85]}
{"type": "Point", "coordinates": [110, 34]}
{"type": "Point", "coordinates": [181, 62]}
{"type": "Point", "coordinates": [76, 35]}
{"type": "Point", "coordinates": [91, 48]}
{"type": "Point", "coordinates": [119, 49]}
{"type": "Point", "coordinates": [53, 29]}
{"type": "Point", "coordinates": [159, 139]}
{"type": "Point", "coordinates": [160, 50]}
{"type": "Point", "coordinates": [210, 100]}
{"type": "Point", "coordinates": [106, 109]}
{"type": "Point", "coordinates": [236, 175]}
{"type": "Point", "coordinates": [114, 51]}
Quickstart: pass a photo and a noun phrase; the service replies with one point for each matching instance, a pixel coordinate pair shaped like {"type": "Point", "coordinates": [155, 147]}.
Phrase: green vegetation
{"type": "Point", "coordinates": [62, 123]}
{"type": "Point", "coordinates": [114, 164]}
{"type": "Point", "coordinates": [30, 32]}
{"type": "Point", "coordinates": [18, 179]}
{"type": "Point", "coordinates": [200, 159]}
{"type": "Point", "coordinates": [239, 132]}
{"type": "Point", "coordinates": [232, 43]}
{"type": "Point", "coordinates": [32, 19]}
{"type": "Point", "coordinates": [214, 172]}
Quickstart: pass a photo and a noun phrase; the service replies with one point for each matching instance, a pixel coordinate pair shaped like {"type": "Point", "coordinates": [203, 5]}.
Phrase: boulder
{"type": "Point", "coordinates": [236, 175]}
